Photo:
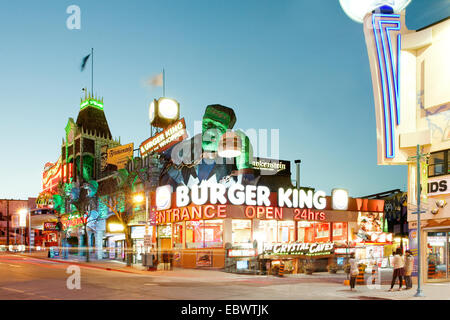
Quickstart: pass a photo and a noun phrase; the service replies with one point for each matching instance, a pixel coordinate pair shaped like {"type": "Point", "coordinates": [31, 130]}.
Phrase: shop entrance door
{"type": "Point", "coordinates": [437, 256]}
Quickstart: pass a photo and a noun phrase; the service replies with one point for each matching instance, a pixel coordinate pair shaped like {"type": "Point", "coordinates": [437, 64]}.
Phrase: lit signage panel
{"type": "Point", "coordinates": [53, 174]}
{"type": "Point", "coordinates": [120, 155]}
{"type": "Point", "coordinates": [165, 139]}
{"type": "Point", "coordinates": [299, 248]}
{"type": "Point", "coordinates": [383, 39]}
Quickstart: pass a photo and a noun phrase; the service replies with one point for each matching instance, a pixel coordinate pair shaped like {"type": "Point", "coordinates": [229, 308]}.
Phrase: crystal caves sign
{"type": "Point", "coordinates": [299, 248]}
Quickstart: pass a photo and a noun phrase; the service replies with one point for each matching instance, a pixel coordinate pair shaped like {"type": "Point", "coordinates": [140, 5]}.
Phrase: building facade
{"type": "Point", "coordinates": [411, 85]}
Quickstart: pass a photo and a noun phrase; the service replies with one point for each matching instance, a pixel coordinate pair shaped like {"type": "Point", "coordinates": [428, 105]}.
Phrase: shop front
{"type": "Point", "coordinates": [257, 238]}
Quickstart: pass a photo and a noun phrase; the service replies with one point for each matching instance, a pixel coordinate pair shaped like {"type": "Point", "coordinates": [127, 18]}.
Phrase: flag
{"type": "Point", "coordinates": [156, 81]}
{"type": "Point", "coordinates": [84, 61]}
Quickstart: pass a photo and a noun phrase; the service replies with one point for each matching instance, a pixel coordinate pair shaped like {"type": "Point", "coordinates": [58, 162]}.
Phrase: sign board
{"type": "Point", "coordinates": [242, 252]}
{"type": "Point", "coordinates": [119, 156]}
{"type": "Point", "coordinates": [299, 248]}
{"type": "Point", "coordinates": [438, 186]}
{"type": "Point", "coordinates": [165, 139]}
{"type": "Point", "coordinates": [272, 166]}
{"type": "Point", "coordinates": [50, 226]}
{"type": "Point", "coordinates": [204, 259]}
{"type": "Point", "coordinates": [147, 240]}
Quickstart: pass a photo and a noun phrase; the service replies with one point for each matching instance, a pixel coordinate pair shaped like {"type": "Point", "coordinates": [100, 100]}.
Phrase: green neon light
{"type": "Point", "coordinates": [93, 103]}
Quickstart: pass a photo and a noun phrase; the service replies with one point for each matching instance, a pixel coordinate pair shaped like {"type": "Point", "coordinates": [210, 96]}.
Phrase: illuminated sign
{"type": "Point", "coordinates": [165, 139]}
{"type": "Point", "coordinates": [242, 252]}
{"type": "Point", "coordinates": [93, 103]}
{"type": "Point", "coordinates": [299, 248]}
{"type": "Point", "coordinates": [249, 195]}
{"type": "Point", "coordinates": [53, 174]}
{"type": "Point", "coordinates": [272, 167]}
{"type": "Point", "coordinates": [388, 53]}
{"type": "Point", "coordinates": [163, 197]}
{"type": "Point", "coordinates": [49, 226]}
{"type": "Point", "coordinates": [72, 221]}
{"type": "Point", "coordinates": [438, 186]}
{"type": "Point", "coordinates": [120, 155]}
{"type": "Point", "coordinates": [207, 212]}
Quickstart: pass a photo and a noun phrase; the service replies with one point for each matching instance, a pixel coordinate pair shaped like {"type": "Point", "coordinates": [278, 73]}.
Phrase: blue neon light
{"type": "Point", "coordinates": [389, 75]}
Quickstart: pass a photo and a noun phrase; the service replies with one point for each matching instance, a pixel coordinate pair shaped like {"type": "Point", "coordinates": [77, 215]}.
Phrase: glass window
{"type": "Point", "coordinates": [322, 232]}
{"type": "Point", "coordinates": [339, 231]}
{"type": "Point", "coordinates": [437, 255]}
{"type": "Point", "coordinates": [268, 230]}
{"type": "Point", "coordinates": [305, 231]}
{"type": "Point", "coordinates": [286, 231]}
{"type": "Point", "coordinates": [178, 235]}
{"type": "Point", "coordinates": [204, 234]}
{"type": "Point", "coordinates": [241, 231]}
{"type": "Point", "coordinates": [438, 163]}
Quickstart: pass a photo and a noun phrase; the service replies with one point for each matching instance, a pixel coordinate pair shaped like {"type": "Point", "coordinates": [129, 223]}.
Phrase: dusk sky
{"type": "Point", "coordinates": [293, 65]}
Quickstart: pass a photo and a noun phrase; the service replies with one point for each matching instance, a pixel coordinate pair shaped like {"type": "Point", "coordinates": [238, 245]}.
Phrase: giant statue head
{"type": "Point", "coordinates": [216, 121]}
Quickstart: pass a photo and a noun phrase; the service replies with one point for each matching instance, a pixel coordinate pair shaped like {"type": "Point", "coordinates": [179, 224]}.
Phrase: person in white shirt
{"type": "Point", "coordinates": [399, 269]}
{"type": "Point", "coordinates": [353, 271]}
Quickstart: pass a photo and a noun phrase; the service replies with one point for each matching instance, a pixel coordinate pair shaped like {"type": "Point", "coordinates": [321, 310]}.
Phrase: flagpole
{"type": "Point", "coordinates": [92, 71]}
{"type": "Point", "coordinates": [164, 83]}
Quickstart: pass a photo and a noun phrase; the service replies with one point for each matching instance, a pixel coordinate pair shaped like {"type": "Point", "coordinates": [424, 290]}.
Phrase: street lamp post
{"type": "Point", "coordinates": [418, 156]}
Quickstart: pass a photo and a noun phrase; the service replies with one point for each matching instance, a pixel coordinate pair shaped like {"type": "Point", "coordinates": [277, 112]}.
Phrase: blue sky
{"type": "Point", "coordinates": [297, 66]}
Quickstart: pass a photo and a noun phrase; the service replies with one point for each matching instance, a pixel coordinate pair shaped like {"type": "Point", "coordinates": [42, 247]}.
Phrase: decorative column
{"type": "Point", "coordinates": [99, 244]}
{"type": "Point", "coordinates": [80, 244]}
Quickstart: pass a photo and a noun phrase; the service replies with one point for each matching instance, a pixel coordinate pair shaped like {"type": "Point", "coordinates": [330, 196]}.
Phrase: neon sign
{"type": "Point", "coordinates": [389, 69]}
{"type": "Point", "coordinates": [249, 195]}
{"type": "Point", "coordinates": [53, 175]}
{"type": "Point", "coordinates": [299, 248]}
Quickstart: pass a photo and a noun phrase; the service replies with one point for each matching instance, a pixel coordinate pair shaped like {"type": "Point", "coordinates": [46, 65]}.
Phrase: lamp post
{"type": "Point", "coordinates": [418, 156]}
{"type": "Point", "coordinates": [22, 223]}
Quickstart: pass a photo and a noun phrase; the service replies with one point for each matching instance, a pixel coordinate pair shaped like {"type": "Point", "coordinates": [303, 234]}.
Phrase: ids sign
{"type": "Point", "coordinates": [438, 186]}
{"type": "Point", "coordinates": [299, 248]}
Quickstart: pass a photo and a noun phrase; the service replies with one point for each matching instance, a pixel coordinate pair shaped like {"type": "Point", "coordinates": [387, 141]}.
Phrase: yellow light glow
{"type": "Point", "coordinates": [139, 198]}
{"type": "Point", "coordinates": [115, 227]}
{"type": "Point", "coordinates": [168, 108]}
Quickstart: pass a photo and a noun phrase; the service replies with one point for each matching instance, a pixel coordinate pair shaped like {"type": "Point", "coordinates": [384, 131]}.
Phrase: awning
{"type": "Point", "coordinates": [437, 223]}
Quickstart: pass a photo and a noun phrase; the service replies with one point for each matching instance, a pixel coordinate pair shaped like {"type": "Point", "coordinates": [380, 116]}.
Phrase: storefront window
{"type": "Point", "coordinates": [339, 231]}
{"type": "Point", "coordinates": [437, 255]}
{"type": "Point", "coordinates": [286, 231]}
{"type": "Point", "coordinates": [241, 231]}
{"type": "Point", "coordinates": [178, 235]}
{"type": "Point", "coordinates": [268, 230]}
{"type": "Point", "coordinates": [322, 232]}
{"type": "Point", "coordinates": [204, 234]}
{"type": "Point", "coordinates": [305, 231]}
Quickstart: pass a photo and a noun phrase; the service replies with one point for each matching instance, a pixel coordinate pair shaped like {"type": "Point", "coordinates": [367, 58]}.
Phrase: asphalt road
{"type": "Point", "coordinates": [25, 278]}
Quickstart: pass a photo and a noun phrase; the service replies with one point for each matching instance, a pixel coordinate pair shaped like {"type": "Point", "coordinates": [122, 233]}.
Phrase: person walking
{"type": "Point", "coordinates": [409, 264]}
{"type": "Point", "coordinates": [353, 271]}
{"type": "Point", "coordinates": [399, 269]}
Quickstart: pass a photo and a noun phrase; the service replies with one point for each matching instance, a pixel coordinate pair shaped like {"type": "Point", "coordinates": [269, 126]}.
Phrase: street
{"type": "Point", "coordinates": [28, 278]}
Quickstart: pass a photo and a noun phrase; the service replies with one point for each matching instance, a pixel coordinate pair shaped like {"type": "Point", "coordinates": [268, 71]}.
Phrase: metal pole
{"type": "Point", "coordinates": [419, 292]}
{"type": "Point", "coordinates": [92, 71]}
{"type": "Point", "coordinates": [7, 223]}
{"type": "Point", "coordinates": [29, 231]}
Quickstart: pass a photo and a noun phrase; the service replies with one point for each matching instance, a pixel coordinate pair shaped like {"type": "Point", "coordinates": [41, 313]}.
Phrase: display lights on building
{"type": "Point", "coordinates": [163, 112]}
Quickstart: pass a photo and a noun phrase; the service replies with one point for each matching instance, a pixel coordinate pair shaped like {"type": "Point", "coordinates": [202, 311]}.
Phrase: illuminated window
{"type": "Point", "coordinates": [339, 231]}
{"type": "Point", "coordinates": [241, 231]}
{"type": "Point", "coordinates": [305, 231]}
{"type": "Point", "coordinates": [322, 232]}
{"type": "Point", "coordinates": [268, 230]}
{"type": "Point", "coordinates": [178, 235]}
{"type": "Point", "coordinates": [286, 231]}
{"type": "Point", "coordinates": [204, 234]}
